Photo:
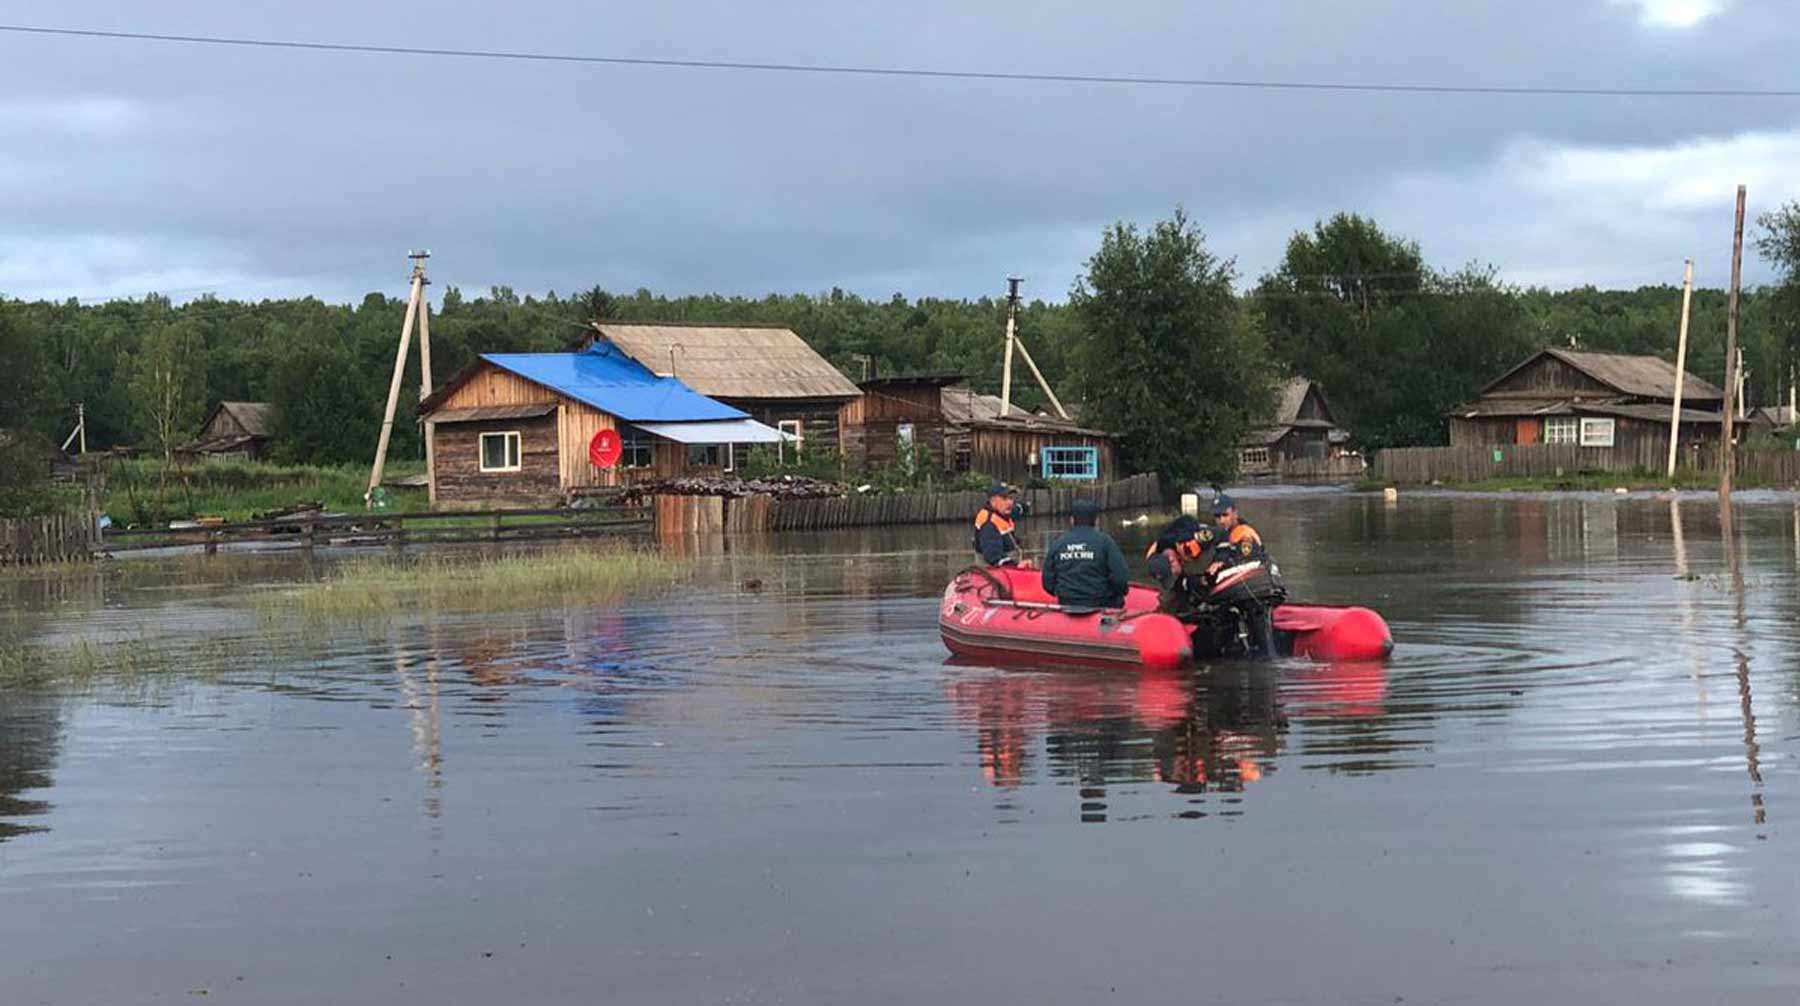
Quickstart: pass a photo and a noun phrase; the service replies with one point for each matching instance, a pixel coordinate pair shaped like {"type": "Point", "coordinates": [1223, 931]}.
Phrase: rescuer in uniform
{"type": "Point", "coordinates": [1237, 532]}
{"type": "Point", "coordinates": [995, 525]}
{"type": "Point", "coordinates": [1181, 549]}
{"type": "Point", "coordinates": [1084, 568]}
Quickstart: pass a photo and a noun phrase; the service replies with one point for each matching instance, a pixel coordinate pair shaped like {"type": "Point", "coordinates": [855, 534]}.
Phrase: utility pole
{"type": "Point", "coordinates": [80, 430]}
{"type": "Point", "coordinates": [1012, 323]}
{"type": "Point", "coordinates": [1013, 342]}
{"type": "Point", "coordinates": [414, 303]}
{"type": "Point", "coordinates": [1727, 450]}
{"type": "Point", "coordinates": [1687, 296]}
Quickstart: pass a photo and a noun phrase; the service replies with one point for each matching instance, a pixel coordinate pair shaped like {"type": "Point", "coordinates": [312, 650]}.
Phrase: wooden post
{"type": "Point", "coordinates": [393, 399]}
{"type": "Point", "coordinates": [424, 393]}
{"type": "Point", "coordinates": [1687, 296]}
{"type": "Point", "coordinates": [1012, 319]}
{"type": "Point", "coordinates": [1727, 450]}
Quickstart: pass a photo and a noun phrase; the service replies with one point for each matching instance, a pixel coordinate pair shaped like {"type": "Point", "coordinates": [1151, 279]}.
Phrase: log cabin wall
{"type": "Point", "coordinates": [869, 427]}
{"type": "Point", "coordinates": [462, 483]}
{"type": "Point", "coordinates": [1011, 454]}
{"type": "Point", "coordinates": [818, 418]}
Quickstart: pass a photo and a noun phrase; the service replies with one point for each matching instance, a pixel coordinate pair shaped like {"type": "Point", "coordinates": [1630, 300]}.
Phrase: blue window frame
{"type": "Point", "coordinates": [1080, 463]}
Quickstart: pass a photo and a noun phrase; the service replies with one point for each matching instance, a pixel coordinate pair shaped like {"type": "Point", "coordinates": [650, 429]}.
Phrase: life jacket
{"type": "Point", "coordinates": [1001, 522]}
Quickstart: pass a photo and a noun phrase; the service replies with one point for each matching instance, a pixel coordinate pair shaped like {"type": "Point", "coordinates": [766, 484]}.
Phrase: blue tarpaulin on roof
{"type": "Point", "coordinates": [612, 382]}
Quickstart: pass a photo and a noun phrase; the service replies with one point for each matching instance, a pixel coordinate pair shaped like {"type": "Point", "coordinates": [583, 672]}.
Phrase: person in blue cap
{"type": "Point", "coordinates": [1236, 532]}
{"type": "Point", "coordinates": [1084, 569]}
{"type": "Point", "coordinates": [996, 527]}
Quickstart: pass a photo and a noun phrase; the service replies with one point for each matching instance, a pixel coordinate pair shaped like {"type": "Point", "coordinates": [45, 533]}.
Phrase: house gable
{"type": "Point", "coordinates": [1546, 376]}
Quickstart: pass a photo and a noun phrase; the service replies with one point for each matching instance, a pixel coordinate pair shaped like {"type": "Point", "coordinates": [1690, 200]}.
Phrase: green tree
{"type": "Point", "coordinates": [168, 384]}
{"type": "Point", "coordinates": [1779, 245]}
{"type": "Point", "coordinates": [1395, 344]}
{"type": "Point", "coordinates": [24, 403]}
{"type": "Point", "coordinates": [322, 415]}
{"type": "Point", "coordinates": [1166, 357]}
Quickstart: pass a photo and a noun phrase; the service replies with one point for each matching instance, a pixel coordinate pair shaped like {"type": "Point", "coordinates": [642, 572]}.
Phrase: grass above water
{"type": "Point", "coordinates": [374, 588]}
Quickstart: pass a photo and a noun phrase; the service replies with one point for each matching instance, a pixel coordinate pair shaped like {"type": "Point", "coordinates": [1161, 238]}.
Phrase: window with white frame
{"type": "Point", "coordinates": [1596, 432]}
{"type": "Point", "coordinates": [1076, 463]}
{"type": "Point", "coordinates": [794, 428]}
{"type": "Point", "coordinates": [1254, 456]}
{"type": "Point", "coordinates": [637, 448]}
{"type": "Point", "coordinates": [1561, 430]}
{"type": "Point", "coordinates": [706, 455]}
{"type": "Point", "coordinates": [500, 451]}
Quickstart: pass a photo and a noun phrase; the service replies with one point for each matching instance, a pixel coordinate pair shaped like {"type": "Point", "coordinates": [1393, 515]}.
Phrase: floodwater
{"type": "Point", "coordinates": [1572, 782]}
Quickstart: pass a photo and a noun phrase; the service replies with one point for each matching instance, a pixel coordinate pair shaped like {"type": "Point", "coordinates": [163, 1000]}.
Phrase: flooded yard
{"type": "Point", "coordinates": [1572, 780]}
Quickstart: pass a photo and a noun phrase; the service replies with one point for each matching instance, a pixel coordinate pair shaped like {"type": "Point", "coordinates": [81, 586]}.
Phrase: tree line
{"type": "Point", "coordinates": [1160, 341]}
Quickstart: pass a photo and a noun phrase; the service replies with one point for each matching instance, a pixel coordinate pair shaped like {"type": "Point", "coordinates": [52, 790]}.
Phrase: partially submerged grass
{"type": "Point", "coordinates": [85, 665]}
{"type": "Point", "coordinates": [145, 491]}
{"type": "Point", "coordinates": [381, 587]}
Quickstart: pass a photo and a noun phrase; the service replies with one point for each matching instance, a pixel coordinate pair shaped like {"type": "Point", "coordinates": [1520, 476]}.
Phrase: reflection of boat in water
{"type": "Point", "coordinates": [1199, 734]}
{"type": "Point", "coordinates": [1004, 615]}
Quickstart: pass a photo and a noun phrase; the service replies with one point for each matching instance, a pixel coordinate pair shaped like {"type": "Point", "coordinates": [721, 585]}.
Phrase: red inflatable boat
{"type": "Point", "coordinates": [1004, 615]}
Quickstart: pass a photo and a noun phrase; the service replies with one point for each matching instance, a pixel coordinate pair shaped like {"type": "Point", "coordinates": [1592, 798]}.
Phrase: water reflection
{"type": "Point", "coordinates": [30, 738]}
{"type": "Point", "coordinates": [1216, 731]}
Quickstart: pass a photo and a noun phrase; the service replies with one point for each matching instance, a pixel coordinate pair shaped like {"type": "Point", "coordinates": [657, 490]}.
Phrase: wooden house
{"type": "Point", "coordinates": [766, 371]}
{"type": "Point", "coordinates": [1023, 445]}
{"type": "Point", "coordinates": [1564, 396]}
{"type": "Point", "coordinates": [518, 429]}
{"type": "Point", "coordinates": [233, 430]}
{"type": "Point", "coordinates": [895, 418]}
{"type": "Point", "coordinates": [1301, 433]}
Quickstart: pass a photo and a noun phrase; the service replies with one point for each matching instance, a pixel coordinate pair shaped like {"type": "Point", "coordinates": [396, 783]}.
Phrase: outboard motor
{"type": "Point", "coordinates": [1250, 591]}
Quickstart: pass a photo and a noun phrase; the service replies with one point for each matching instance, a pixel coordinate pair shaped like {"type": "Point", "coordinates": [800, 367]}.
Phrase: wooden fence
{"type": "Point", "coordinates": [1425, 465]}
{"type": "Point", "coordinates": [392, 529]}
{"type": "Point", "coordinates": [1344, 468]}
{"type": "Point", "coordinates": [691, 514]}
{"type": "Point", "coordinates": [28, 541]}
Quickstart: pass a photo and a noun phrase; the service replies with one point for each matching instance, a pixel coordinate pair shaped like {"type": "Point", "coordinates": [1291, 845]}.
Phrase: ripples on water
{"type": "Point", "coordinates": [1571, 775]}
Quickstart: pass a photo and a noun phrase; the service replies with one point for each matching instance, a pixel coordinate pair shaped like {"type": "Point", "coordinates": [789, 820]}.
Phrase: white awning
{"type": "Point", "coordinates": [726, 431]}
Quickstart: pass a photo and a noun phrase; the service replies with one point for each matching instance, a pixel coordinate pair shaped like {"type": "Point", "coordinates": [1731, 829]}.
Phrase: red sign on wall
{"type": "Point", "coordinates": [605, 449]}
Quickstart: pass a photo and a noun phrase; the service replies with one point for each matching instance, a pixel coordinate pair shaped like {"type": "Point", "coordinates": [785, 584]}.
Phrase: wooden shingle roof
{"type": "Point", "coordinates": [731, 361]}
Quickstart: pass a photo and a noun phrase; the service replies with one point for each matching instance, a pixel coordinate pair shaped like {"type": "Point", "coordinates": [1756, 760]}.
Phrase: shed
{"type": "Point", "coordinates": [892, 419]}
{"type": "Point", "coordinates": [1565, 396]}
{"type": "Point", "coordinates": [515, 428]}
{"type": "Point", "coordinates": [234, 430]}
{"type": "Point", "coordinates": [766, 371]}
{"type": "Point", "coordinates": [1301, 427]}
{"type": "Point", "coordinates": [1023, 445]}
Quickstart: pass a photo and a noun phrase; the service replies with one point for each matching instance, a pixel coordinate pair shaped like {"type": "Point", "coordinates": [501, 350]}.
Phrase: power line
{"type": "Point", "coordinates": [918, 73]}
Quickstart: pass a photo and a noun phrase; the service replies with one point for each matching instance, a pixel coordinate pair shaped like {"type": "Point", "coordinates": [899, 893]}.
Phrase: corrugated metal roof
{"type": "Point", "coordinates": [605, 378]}
{"type": "Point", "coordinates": [731, 431]}
{"type": "Point", "coordinates": [732, 361]}
{"type": "Point", "coordinates": [485, 412]}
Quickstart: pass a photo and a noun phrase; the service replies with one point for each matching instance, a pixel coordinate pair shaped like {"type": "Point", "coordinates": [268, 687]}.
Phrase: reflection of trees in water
{"type": "Point", "coordinates": [30, 738]}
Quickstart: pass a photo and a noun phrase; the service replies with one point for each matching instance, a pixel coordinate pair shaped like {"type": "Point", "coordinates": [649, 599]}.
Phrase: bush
{"type": "Point", "coordinates": [767, 462]}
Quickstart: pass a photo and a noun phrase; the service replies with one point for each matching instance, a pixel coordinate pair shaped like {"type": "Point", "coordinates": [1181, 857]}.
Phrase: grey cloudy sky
{"type": "Point", "coordinates": [133, 166]}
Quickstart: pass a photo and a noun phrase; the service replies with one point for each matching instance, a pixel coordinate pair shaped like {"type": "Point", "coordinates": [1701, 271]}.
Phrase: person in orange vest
{"type": "Point", "coordinates": [995, 527]}
{"type": "Point", "coordinates": [1177, 551]}
{"type": "Point", "coordinates": [1236, 531]}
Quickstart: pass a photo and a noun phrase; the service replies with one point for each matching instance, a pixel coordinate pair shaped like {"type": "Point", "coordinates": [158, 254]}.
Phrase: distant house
{"type": "Point", "coordinates": [893, 419]}
{"type": "Point", "coordinates": [767, 372]}
{"type": "Point", "coordinates": [1563, 396]}
{"type": "Point", "coordinates": [517, 428]}
{"type": "Point", "coordinates": [233, 430]}
{"type": "Point", "coordinates": [1769, 419]}
{"type": "Point", "coordinates": [1301, 433]}
{"type": "Point", "coordinates": [1023, 445]}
